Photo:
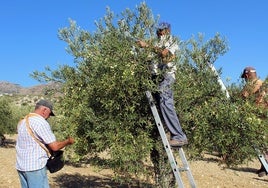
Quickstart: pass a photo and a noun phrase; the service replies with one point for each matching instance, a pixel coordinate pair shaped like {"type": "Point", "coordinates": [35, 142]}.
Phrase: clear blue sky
{"type": "Point", "coordinates": [29, 31]}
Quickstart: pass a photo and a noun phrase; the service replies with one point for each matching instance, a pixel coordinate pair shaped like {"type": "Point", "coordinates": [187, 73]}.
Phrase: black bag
{"type": "Point", "coordinates": [55, 161]}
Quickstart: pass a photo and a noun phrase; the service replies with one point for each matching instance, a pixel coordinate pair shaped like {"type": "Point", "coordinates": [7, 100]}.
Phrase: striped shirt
{"type": "Point", "coordinates": [30, 155]}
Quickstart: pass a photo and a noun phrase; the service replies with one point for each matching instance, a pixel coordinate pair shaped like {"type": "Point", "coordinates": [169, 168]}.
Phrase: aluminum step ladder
{"type": "Point", "coordinates": [176, 170]}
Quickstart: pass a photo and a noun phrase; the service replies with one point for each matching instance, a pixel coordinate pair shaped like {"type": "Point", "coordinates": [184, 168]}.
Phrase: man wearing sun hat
{"type": "Point", "coordinates": [45, 103]}
{"type": "Point", "coordinates": [163, 70]}
{"type": "Point", "coordinates": [31, 158]}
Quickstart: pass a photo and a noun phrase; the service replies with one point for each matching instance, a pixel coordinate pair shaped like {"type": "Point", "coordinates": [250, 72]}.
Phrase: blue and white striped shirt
{"type": "Point", "coordinates": [30, 155]}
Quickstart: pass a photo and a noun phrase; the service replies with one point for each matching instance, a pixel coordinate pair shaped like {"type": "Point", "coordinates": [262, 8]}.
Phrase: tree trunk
{"type": "Point", "coordinates": [163, 174]}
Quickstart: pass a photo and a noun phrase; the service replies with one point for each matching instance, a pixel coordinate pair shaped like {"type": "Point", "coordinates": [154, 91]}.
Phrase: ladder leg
{"type": "Point", "coordinates": [186, 167]}
{"type": "Point", "coordinates": [262, 159]}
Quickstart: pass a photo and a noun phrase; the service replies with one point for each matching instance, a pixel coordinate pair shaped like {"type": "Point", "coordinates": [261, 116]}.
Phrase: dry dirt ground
{"type": "Point", "coordinates": [207, 174]}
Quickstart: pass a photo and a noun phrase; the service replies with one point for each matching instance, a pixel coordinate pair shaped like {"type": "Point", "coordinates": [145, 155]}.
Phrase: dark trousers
{"type": "Point", "coordinates": [165, 102]}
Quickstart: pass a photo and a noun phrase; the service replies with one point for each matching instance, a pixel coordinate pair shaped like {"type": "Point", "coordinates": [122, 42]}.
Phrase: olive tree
{"type": "Point", "coordinates": [231, 127]}
{"type": "Point", "coordinates": [104, 103]}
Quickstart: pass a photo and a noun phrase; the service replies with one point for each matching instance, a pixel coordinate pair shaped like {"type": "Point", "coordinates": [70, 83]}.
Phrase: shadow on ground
{"type": "Point", "coordinates": [245, 169]}
{"type": "Point", "coordinates": [81, 181]}
{"type": "Point", "coordinates": [216, 159]}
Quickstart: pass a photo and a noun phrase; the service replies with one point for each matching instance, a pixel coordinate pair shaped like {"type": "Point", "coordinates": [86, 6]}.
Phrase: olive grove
{"type": "Point", "coordinates": [103, 103]}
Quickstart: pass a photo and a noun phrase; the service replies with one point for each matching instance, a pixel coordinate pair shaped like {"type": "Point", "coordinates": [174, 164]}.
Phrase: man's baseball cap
{"type": "Point", "coordinates": [247, 70]}
{"type": "Point", "coordinates": [47, 104]}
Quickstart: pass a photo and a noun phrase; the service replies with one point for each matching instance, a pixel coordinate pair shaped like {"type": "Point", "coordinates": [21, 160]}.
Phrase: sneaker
{"type": "Point", "coordinates": [178, 143]}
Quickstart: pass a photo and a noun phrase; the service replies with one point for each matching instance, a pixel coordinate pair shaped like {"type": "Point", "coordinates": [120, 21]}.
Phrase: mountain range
{"type": "Point", "coordinates": [7, 88]}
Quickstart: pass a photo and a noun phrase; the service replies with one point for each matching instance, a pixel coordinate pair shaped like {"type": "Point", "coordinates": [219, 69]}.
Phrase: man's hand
{"type": "Point", "coordinates": [70, 140]}
{"type": "Point", "coordinates": [142, 44]}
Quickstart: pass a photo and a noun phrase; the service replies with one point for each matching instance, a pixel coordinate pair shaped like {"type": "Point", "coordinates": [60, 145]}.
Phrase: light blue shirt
{"type": "Point", "coordinates": [30, 155]}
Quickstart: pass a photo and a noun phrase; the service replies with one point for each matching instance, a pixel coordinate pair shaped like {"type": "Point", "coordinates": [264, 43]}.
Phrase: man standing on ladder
{"type": "Point", "coordinates": [254, 88]}
{"type": "Point", "coordinates": [164, 73]}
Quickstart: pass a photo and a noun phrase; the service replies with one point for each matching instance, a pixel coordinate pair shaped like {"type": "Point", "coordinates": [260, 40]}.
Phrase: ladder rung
{"type": "Point", "coordinates": [184, 169]}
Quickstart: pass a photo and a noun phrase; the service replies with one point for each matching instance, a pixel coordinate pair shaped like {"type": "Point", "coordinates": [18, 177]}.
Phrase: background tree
{"type": "Point", "coordinates": [104, 105]}
{"type": "Point", "coordinates": [214, 123]}
{"type": "Point", "coordinates": [7, 120]}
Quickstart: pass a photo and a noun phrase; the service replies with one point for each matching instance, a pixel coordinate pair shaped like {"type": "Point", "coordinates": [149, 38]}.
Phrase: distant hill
{"type": "Point", "coordinates": [7, 88]}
